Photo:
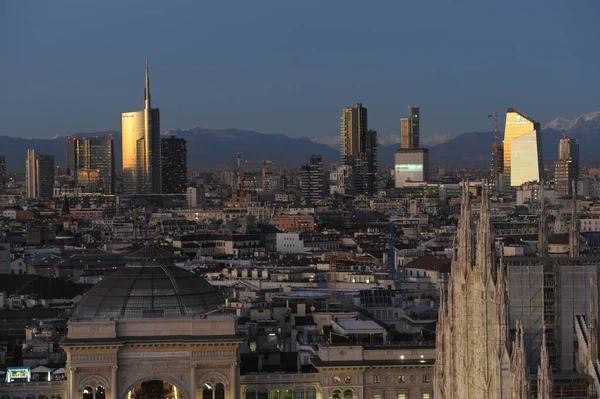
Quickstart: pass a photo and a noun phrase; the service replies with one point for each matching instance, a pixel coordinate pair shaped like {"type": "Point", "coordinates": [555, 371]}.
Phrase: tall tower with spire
{"type": "Point", "coordinates": [141, 147]}
{"type": "Point", "coordinates": [475, 355]}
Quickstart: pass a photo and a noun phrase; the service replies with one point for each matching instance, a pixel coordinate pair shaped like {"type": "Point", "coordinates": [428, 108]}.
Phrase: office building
{"type": "Point", "coordinates": [523, 160]}
{"type": "Point", "coordinates": [359, 149]}
{"type": "Point", "coordinates": [411, 165]}
{"type": "Point", "coordinates": [93, 163]}
{"type": "Point", "coordinates": [312, 179]}
{"type": "Point", "coordinates": [45, 176]}
{"type": "Point", "coordinates": [31, 175]}
{"type": "Point", "coordinates": [141, 147]}
{"type": "Point", "coordinates": [409, 129]}
{"type": "Point", "coordinates": [566, 169]}
{"type": "Point", "coordinates": [173, 166]}
{"type": "Point", "coordinates": [353, 129]}
{"type": "Point", "coordinates": [195, 196]}
{"type": "Point", "coordinates": [71, 166]}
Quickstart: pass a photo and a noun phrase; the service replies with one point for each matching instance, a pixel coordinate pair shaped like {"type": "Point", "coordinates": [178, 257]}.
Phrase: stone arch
{"type": "Point", "coordinates": [214, 377]}
{"type": "Point", "coordinates": [93, 381]}
{"type": "Point", "coordinates": [181, 386]}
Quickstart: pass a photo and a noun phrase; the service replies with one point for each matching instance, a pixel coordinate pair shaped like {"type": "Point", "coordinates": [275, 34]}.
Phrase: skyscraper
{"type": "Point", "coordinates": [409, 129]}
{"type": "Point", "coordinates": [141, 147]}
{"type": "Point", "coordinates": [31, 174]}
{"type": "Point", "coordinates": [173, 166]}
{"type": "Point", "coordinates": [359, 149]}
{"type": "Point", "coordinates": [71, 169]}
{"type": "Point", "coordinates": [566, 169]}
{"type": "Point", "coordinates": [312, 179]}
{"type": "Point", "coordinates": [354, 127]}
{"type": "Point", "coordinates": [411, 163]}
{"type": "Point", "coordinates": [94, 154]}
{"type": "Point", "coordinates": [522, 149]}
{"type": "Point", "coordinates": [45, 176]}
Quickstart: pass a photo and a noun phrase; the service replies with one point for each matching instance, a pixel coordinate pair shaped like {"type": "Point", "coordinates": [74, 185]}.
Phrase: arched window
{"type": "Point", "coordinates": [287, 394]}
{"type": "Point", "coordinates": [337, 394]}
{"type": "Point", "coordinates": [251, 393]}
{"type": "Point", "coordinates": [299, 393]}
{"type": "Point", "coordinates": [88, 393]}
{"type": "Point", "coordinates": [4, 397]}
{"type": "Point", "coordinates": [43, 396]}
{"type": "Point", "coordinates": [311, 393]}
{"type": "Point", "coordinates": [207, 392]}
{"type": "Point", "coordinates": [30, 396]}
{"type": "Point", "coordinates": [220, 391]}
{"type": "Point", "coordinates": [56, 396]}
{"type": "Point", "coordinates": [263, 393]}
{"type": "Point", "coordinates": [348, 394]}
{"type": "Point", "coordinates": [100, 393]}
{"type": "Point", "coordinates": [18, 397]}
{"type": "Point", "coordinates": [274, 394]}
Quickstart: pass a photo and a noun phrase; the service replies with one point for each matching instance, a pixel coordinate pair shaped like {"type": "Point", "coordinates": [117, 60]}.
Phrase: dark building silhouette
{"type": "Point", "coordinates": [173, 165]}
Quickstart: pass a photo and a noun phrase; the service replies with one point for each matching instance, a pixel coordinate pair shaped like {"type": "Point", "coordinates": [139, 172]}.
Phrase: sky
{"type": "Point", "coordinates": [289, 67]}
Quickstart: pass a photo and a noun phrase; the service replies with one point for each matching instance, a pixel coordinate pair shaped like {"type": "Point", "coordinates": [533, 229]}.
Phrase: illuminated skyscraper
{"type": "Point", "coordinates": [409, 129]}
{"type": "Point", "coordinates": [522, 149]}
{"type": "Point", "coordinates": [173, 165]}
{"type": "Point", "coordinates": [141, 148]}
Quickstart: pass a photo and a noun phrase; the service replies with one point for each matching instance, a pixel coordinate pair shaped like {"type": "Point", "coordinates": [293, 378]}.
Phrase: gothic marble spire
{"type": "Point", "coordinates": [465, 234]}
{"type": "Point", "coordinates": [544, 374]}
{"type": "Point", "coordinates": [484, 261]}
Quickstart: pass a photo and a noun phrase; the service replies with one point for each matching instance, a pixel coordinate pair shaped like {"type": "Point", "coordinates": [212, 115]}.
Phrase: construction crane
{"type": "Point", "coordinates": [264, 163]}
{"type": "Point", "coordinates": [341, 257]}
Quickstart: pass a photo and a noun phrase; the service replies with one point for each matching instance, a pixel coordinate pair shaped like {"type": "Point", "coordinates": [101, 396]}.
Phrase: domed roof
{"type": "Point", "coordinates": [159, 291]}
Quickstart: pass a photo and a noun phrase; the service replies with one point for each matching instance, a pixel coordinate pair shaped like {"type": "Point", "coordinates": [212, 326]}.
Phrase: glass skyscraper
{"type": "Point", "coordinates": [409, 129]}
{"type": "Point", "coordinates": [96, 154]}
{"type": "Point", "coordinates": [566, 169]}
{"type": "Point", "coordinates": [141, 148]}
{"type": "Point", "coordinates": [523, 161]}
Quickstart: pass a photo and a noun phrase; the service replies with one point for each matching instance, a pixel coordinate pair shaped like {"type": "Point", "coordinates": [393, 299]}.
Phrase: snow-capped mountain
{"type": "Point", "coordinates": [582, 122]}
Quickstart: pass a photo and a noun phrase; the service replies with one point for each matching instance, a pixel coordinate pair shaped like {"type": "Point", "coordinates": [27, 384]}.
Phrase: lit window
{"type": "Point", "coordinates": [426, 396]}
{"type": "Point", "coordinates": [401, 379]}
{"type": "Point", "coordinates": [377, 379]}
{"type": "Point", "coordinates": [401, 396]}
{"type": "Point", "coordinates": [377, 396]}
{"type": "Point", "coordinates": [425, 378]}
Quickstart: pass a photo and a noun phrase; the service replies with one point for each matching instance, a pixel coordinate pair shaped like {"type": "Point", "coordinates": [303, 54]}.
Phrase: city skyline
{"type": "Point", "coordinates": [267, 90]}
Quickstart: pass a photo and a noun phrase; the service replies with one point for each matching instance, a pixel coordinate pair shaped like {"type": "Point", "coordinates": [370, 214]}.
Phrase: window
{"type": "Point", "coordinates": [401, 379]}
{"type": "Point", "coordinates": [299, 393]}
{"type": "Point", "coordinates": [425, 378]}
{"type": "Point", "coordinates": [401, 396]}
{"type": "Point", "coordinates": [377, 396]}
{"type": "Point", "coordinates": [377, 379]}
{"type": "Point", "coordinates": [250, 393]}
{"type": "Point", "coordinates": [311, 393]}
{"type": "Point", "coordinates": [426, 396]}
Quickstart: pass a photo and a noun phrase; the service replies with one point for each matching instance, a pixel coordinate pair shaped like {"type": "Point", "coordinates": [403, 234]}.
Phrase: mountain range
{"type": "Point", "coordinates": [216, 148]}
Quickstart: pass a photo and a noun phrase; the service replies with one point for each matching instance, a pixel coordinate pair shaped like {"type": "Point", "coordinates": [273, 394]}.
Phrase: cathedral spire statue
{"type": "Point", "coordinates": [484, 255]}
{"type": "Point", "coordinates": [465, 234]}
{"type": "Point", "coordinates": [544, 374]}
{"type": "Point", "coordinates": [574, 228]}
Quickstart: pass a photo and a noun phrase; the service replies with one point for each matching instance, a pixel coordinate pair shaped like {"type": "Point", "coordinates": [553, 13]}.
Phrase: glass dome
{"type": "Point", "coordinates": [149, 290]}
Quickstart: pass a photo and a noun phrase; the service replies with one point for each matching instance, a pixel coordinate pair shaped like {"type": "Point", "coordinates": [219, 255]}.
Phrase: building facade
{"type": "Point", "coordinates": [45, 176]}
{"type": "Point", "coordinates": [411, 165]}
{"type": "Point", "coordinates": [523, 160]}
{"type": "Point", "coordinates": [312, 179]}
{"type": "Point", "coordinates": [91, 162]}
{"type": "Point", "coordinates": [566, 169]}
{"type": "Point", "coordinates": [173, 166]}
{"type": "Point", "coordinates": [141, 148]}
{"type": "Point", "coordinates": [410, 130]}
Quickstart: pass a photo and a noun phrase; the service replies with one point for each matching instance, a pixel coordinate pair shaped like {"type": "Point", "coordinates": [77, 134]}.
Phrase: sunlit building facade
{"type": "Point", "coordinates": [95, 159]}
{"type": "Point", "coordinates": [173, 165]}
{"type": "Point", "coordinates": [409, 129]}
{"type": "Point", "coordinates": [141, 148]}
{"type": "Point", "coordinates": [523, 160]}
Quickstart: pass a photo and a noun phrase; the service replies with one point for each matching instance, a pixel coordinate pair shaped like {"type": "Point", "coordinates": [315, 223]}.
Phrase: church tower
{"type": "Point", "coordinates": [65, 215]}
{"type": "Point", "coordinates": [475, 356]}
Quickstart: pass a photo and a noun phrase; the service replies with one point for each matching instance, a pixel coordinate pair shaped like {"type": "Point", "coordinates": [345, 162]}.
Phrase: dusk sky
{"type": "Point", "coordinates": [290, 66]}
